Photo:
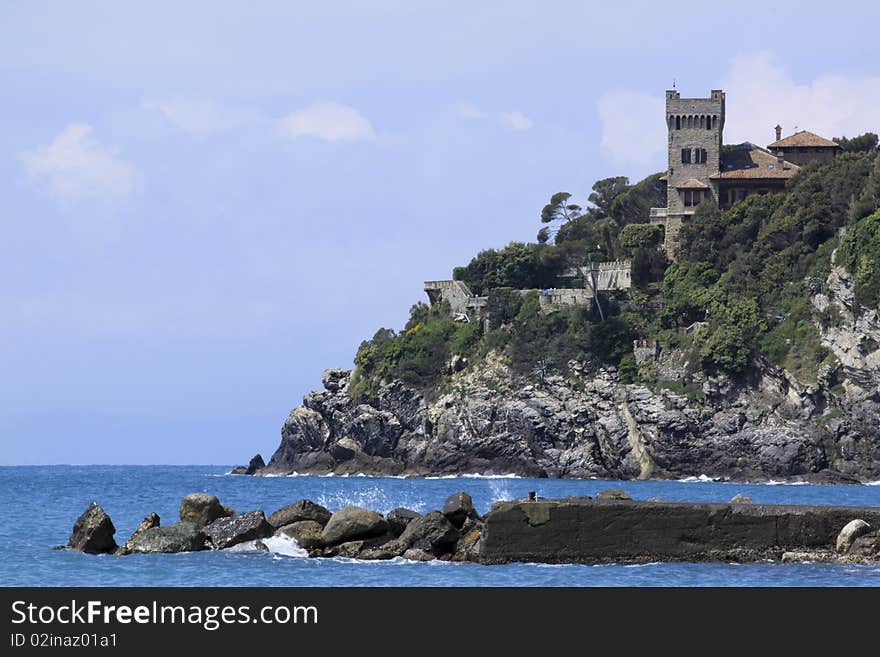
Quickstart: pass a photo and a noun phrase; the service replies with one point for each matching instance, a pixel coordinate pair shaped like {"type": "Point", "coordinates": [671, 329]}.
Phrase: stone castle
{"type": "Point", "coordinates": [700, 168]}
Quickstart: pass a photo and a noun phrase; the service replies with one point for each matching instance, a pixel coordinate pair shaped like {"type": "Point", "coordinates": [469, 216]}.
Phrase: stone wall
{"type": "Point", "coordinates": [582, 530]}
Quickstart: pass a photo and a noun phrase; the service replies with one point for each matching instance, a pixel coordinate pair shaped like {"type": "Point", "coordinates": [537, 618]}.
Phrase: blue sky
{"type": "Point", "coordinates": [203, 206]}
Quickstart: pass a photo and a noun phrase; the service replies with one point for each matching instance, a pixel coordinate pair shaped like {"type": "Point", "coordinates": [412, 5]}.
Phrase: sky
{"type": "Point", "coordinates": [203, 205]}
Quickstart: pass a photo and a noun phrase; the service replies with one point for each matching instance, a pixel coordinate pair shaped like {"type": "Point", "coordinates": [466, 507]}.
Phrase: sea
{"type": "Point", "coordinates": [41, 503]}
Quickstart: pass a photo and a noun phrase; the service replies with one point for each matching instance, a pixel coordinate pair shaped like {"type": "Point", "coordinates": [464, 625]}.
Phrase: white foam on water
{"type": "Point", "coordinates": [475, 475]}
{"type": "Point", "coordinates": [643, 565]}
{"type": "Point", "coordinates": [773, 482]}
{"type": "Point", "coordinates": [281, 544]}
{"type": "Point", "coordinates": [375, 498]}
{"type": "Point", "coordinates": [872, 483]}
{"type": "Point", "coordinates": [701, 479]}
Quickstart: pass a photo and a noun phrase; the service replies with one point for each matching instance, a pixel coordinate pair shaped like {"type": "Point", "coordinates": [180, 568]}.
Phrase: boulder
{"type": "Point", "coordinates": [399, 518]}
{"type": "Point", "coordinates": [256, 463]}
{"type": "Point", "coordinates": [740, 499]}
{"type": "Point", "coordinates": [415, 554]}
{"type": "Point", "coordinates": [201, 509]}
{"type": "Point", "coordinates": [351, 523]}
{"type": "Point", "coordinates": [866, 547]}
{"type": "Point", "coordinates": [149, 522]}
{"type": "Point", "coordinates": [613, 494]}
{"type": "Point", "coordinates": [183, 536]}
{"type": "Point", "coordinates": [850, 533]}
{"type": "Point", "coordinates": [468, 546]}
{"type": "Point", "coordinates": [432, 532]}
{"type": "Point", "coordinates": [334, 379]}
{"type": "Point", "coordinates": [458, 508]}
{"type": "Point", "coordinates": [298, 511]}
{"type": "Point", "coordinates": [385, 551]}
{"type": "Point", "coordinates": [248, 526]}
{"type": "Point", "coordinates": [307, 533]}
{"type": "Point", "coordinates": [93, 532]}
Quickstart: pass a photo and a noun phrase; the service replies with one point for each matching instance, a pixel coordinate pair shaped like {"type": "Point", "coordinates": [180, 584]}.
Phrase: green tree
{"type": "Point", "coordinates": [862, 144]}
{"type": "Point", "coordinates": [734, 330]}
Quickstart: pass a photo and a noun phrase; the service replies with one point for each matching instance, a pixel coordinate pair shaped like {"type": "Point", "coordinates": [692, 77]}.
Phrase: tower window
{"type": "Point", "coordinates": [685, 155]}
{"type": "Point", "coordinates": [678, 123]}
{"type": "Point", "coordinates": [708, 123]}
{"type": "Point", "coordinates": [692, 197]}
{"type": "Point", "coordinates": [700, 155]}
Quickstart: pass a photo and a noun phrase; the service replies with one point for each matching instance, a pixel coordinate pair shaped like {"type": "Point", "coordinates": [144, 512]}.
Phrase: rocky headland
{"type": "Point", "coordinates": [611, 528]}
{"type": "Point", "coordinates": [766, 426]}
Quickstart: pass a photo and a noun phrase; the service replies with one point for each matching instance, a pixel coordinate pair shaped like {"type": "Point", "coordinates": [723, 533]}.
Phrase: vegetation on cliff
{"type": "Point", "coordinates": [745, 275]}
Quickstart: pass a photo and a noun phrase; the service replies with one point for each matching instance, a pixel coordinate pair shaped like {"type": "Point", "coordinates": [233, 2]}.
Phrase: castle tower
{"type": "Point", "coordinates": [695, 127]}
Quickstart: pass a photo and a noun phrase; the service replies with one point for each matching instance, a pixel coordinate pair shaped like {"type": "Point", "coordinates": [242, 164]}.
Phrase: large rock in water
{"type": "Point", "coordinates": [248, 526]}
{"type": "Point", "coordinates": [432, 533]}
{"type": "Point", "coordinates": [149, 522]}
{"type": "Point", "coordinates": [399, 518]}
{"type": "Point", "coordinates": [458, 508]}
{"type": "Point", "coordinates": [93, 532]}
{"type": "Point", "coordinates": [307, 533]}
{"type": "Point", "coordinates": [256, 465]}
{"type": "Point", "coordinates": [183, 536]}
{"type": "Point", "coordinates": [202, 509]}
{"type": "Point", "coordinates": [850, 533]}
{"type": "Point", "coordinates": [351, 523]}
{"type": "Point", "coordinates": [298, 511]}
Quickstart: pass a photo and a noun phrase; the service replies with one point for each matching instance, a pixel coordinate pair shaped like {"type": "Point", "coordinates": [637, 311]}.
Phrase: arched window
{"type": "Point", "coordinates": [708, 123]}
{"type": "Point", "coordinates": [715, 121]}
{"type": "Point", "coordinates": [690, 122]}
{"type": "Point", "coordinates": [678, 123]}
{"type": "Point", "coordinates": [702, 121]}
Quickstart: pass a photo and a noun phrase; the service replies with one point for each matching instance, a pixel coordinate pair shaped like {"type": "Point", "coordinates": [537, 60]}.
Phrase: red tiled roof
{"type": "Point", "coordinates": [804, 139]}
{"type": "Point", "coordinates": [753, 163]}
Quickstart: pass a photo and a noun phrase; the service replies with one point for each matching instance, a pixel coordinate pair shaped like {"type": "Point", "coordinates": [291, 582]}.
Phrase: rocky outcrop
{"type": "Point", "coordinates": [202, 509]}
{"type": "Point", "coordinates": [149, 522]}
{"type": "Point", "coordinates": [248, 526]}
{"type": "Point", "coordinates": [399, 519]}
{"type": "Point", "coordinates": [352, 523]}
{"type": "Point", "coordinates": [298, 511]}
{"type": "Point", "coordinates": [255, 465]}
{"type": "Point", "coordinates": [307, 533]}
{"type": "Point", "coordinates": [183, 536]}
{"type": "Point", "coordinates": [458, 508]}
{"type": "Point", "coordinates": [576, 530]}
{"type": "Point", "coordinates": [93, 532]}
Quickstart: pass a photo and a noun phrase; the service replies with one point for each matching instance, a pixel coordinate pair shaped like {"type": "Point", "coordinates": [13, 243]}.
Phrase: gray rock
{"type": "Point", "coordinates": [149, 522]}
{"type": "Point", "coordinates": [739, 498]}
{"type": "Point", "coordinates": [432, 532]}
{"type": "Point", "coordinates": [248, 526]}
{"type": "Point", "coordinates": [307, 533]}
{"type": "Point", "coordinates": [352, 523]}
{"type": "Point", "coordinates": [399, 518]}
{"type": "Point", "coordinates": [613, 494]}
{"type": "Point", "coordinates": [415, 554]}
{"type": "Point", "coordinates": [201, 509]}
{"type": "Point", "coordinates": [93, 532]}
{"type": "Point", "coordinates": [866, 547]}
{"type": "Point", "coordinates": [458, 508]}
{"type": "Point", "coordinates": [299, 510]}
{"type": "Point", "coordinates": [183, 536]}
{"type": "Point", "coordinates": [850, 533]}
{"type": "Point", "coordinates": [467, 548]}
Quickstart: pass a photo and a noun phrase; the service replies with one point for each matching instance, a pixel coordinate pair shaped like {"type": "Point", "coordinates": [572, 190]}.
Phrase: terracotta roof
{"type": "Point", "coordinates": [693, 183]}
{"type": "Point", "coordinates": [750, 162]}
{"type": "Point", "coordinates": [804, 139]}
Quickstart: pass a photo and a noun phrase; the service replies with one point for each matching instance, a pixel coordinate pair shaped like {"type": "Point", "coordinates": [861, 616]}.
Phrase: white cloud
{"type": "Point", "coordinates": [468, 111]}
{"type": "Point", "coordinates": [633, 129]}
{"type": "Point", "coordinates": [76, 166]}
{"type": "Point", "coordinates": [760, 94]}
{"type": "Point", "coordinates": [516, 120]}
{"type": "Point", "coordinates": [513, 120]}
{"type": "Point", "coordinates": [327, 121]}
{"type": "Point", "coordinates": [201, 116]}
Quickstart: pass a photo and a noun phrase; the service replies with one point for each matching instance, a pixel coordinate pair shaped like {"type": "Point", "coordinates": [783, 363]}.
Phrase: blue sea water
{"type": "Point", "coordinates": [41, 504]}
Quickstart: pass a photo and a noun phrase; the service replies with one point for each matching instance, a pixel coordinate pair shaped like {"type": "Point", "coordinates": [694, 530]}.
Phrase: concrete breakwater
{"type": "Point", "coordinates": [610, 528]}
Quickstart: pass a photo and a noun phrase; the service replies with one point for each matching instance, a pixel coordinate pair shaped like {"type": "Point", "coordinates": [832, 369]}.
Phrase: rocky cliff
{"type": "Point", "coordinates": [589, 424]}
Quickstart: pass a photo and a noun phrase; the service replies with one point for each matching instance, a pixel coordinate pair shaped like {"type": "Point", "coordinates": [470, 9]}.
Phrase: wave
{"type": "Point", "coordinates": [701, 479]}
{"type": "Point", "coordinates": [283, 545]}
{"type": "Point", "coordinates": [475, 475]}
{"type": "Point", "coordinates": [872, 483]}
